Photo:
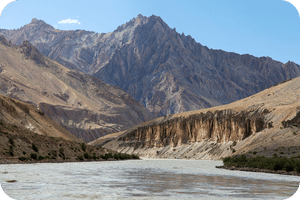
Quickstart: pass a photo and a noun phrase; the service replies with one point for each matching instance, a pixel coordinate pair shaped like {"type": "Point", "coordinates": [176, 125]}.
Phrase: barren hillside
{"type": "Point", "coordinates": [84, 105]}
{"type": "Point", "coordinates": [265, 123]}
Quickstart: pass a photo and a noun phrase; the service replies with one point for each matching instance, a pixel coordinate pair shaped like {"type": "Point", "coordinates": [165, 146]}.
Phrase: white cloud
{"type": "Point", "coordinates": [69, 21]}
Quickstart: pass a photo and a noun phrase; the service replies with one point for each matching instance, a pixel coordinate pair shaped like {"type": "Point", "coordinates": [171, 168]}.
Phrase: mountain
{"type": "Point", "coordinates": [265, 124]}
{"type": "Point", "coordinates": [165, 71]}
{"type": "Point", "coordinates": [81, 103]}
{"type": "Point", "coordinates": [28, 135]}
{"type": "Point", "coordinates": [19, 115]}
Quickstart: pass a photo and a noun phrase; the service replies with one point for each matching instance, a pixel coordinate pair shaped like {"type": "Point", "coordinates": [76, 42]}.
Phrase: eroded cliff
{"type": "Point", "coordinates": [254, 124]}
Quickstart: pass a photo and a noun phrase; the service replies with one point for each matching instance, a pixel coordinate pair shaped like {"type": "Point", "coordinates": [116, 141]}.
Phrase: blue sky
{"type": "Point", "coordinates": [258, 27]}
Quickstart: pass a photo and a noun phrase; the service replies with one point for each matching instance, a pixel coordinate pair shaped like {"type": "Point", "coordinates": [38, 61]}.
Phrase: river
{"type": "Point", "coordinates": [141, 179]}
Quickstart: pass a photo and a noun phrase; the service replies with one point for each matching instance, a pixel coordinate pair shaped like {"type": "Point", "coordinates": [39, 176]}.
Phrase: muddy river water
{"type": "Point", "coordinates": [141, 179]}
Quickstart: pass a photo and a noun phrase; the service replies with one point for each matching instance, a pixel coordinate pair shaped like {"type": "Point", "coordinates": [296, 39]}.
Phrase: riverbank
{"type": "Point", "coordinates": [249, 169]}
{"type": "Point", "coordinates": [276, 164]}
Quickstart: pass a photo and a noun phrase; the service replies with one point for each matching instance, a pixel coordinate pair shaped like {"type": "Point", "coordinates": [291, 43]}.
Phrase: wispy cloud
{"type": "Point", "coordinates": [69, 21]}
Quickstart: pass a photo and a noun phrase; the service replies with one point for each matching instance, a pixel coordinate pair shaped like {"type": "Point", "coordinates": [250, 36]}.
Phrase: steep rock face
{"type": "Point", "coordinates": [262, 123]}
{"type": "Point", "coordinates": [165, 71]}
{"type": "Point", "coordinates": [218, 126]}
{"type": "Point", "coordinates": [83, 104]}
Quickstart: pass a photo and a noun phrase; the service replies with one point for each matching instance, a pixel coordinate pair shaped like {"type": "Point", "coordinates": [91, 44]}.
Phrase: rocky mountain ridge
{"type": "Point", "coordinates": [81, 103]}
{"type": "Point", "coordinates": [165, 71]}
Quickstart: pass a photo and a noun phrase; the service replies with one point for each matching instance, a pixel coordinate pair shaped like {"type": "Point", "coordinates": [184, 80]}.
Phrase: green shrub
{"type": "Point", "coordinates": [33, 156]}
{"type": "Point", "coordinates": [135, 156]}
{"type": "Point", "coordinates": [83, 146]}
{"type": "Point", "coordinates": [22, 158]}
{"type": "Point", "coordinates": [80, 158]}
{"type": "Point", "coordinates": [24, 153]}
{"type": "Point", "coordinates": [40, 158]}
{"type": "Point", "coordinates": [288, 166]}
{"type": "Point", "coordinates": [61, 151]}
{"type": "Point", "coordinates": [106, 156]}
{"type": "Point", "coordinates": [254, 152]}
{"type": "Point", "coordinates": [86, 156]}
{"type": "Point", "coordinates": [11, 151]}
{"type": "Point", "coordinates": [34, 148]}
{"type": "Point", "coordinates": [11, 141]}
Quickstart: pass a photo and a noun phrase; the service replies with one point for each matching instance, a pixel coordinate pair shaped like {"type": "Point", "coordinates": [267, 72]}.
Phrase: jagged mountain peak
{"type": "Point", "coordinates": [166, 71]}
{"type": "Point", "coordinates": [40, 23]}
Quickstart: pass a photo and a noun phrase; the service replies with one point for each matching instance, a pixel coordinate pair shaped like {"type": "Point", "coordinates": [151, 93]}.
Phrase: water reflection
{"type": "Point", "coordinates": [146, 179]}
{"type": "Point", "coordinates": [152, 183]}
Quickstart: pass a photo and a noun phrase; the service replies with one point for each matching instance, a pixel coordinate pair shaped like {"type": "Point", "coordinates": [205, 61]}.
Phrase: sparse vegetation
{"type": "Point", "coordinates": [87, 156]}
{"type": "Point", "coordinates": [54, 153]}
{"type": "Point", "coordinates": [22, 158]}
{"type": "Point", "coordinates": [33, 156]}
{"type": "Point", "coordinates": [80, 158]}
{"type": "Point", "coordinates": [272, 163]}
{"type": "Point", "coordinates": [83, 146]}
{"type": "Point", "coordinates": [34, 147]}
{"type": "Point", "coordinates": [62, 153]}
{"type": "Point", "coordinates": [11, 141]}
{"type": "Point", "coordinates": [11, 151]}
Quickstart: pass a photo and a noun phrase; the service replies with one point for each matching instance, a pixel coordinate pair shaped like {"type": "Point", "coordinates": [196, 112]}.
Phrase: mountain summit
{"type": "Point", "coordinates": [165, 71]}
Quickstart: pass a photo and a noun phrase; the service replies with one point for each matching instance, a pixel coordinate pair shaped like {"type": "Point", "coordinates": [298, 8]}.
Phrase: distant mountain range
{"type": "Point", "coordinates": [81, 103]}
{"type": "Point", "coordinates": [165, 71]}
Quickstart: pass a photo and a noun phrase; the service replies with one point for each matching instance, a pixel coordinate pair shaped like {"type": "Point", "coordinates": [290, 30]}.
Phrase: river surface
{"type": "Point", "coordinates": [141, 179]}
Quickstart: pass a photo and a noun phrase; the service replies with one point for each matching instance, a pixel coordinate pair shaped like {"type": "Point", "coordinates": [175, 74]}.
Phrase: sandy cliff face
{"type": "Point", "coordinates": [84, 105]}
{"type": "Point", "coordinates": [217, 126]}
{"type": "Point", "coordinates": [261, 123]}
{"type": "Point", "coordinates": [165, 71]}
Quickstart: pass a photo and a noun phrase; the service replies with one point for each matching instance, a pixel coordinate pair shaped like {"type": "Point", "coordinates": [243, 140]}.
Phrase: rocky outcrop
{"type": "Point", "coordinates": [165, 71]}
{"type": "Point", "coordinates": [208, 131]}
{"type": "Point", "coordinates": [218, 126]}
{"type": "Point", "coordinates": [81, 103]}
{"type": "Point", "coordinates": [262, 124]}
